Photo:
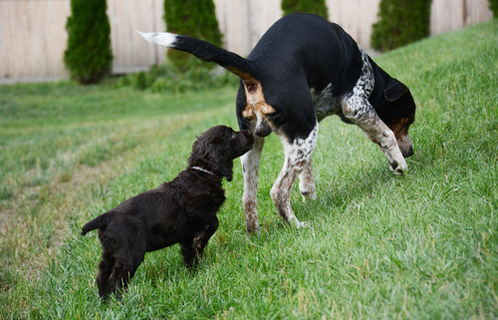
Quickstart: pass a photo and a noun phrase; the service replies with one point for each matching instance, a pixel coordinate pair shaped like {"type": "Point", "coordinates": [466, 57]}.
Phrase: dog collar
{"type": "Point", "coordinates": [205, 171]}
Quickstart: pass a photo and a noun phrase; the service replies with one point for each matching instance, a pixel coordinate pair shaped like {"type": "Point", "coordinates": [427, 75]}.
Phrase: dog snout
{"type": "Point", "coordinates": [243, 143]}
{"type": "Point", "coordinates": [408, 153]}
{"type": "Point", "coordinates": [249, 136]}
{"type": "Point", "coordinates": [405, 145]}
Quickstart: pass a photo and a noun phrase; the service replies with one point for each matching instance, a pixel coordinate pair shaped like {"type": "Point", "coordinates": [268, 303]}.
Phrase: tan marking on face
{"type": "Point", "coordinates": [399, 126]}
{"type": "Point", "coordinates": [255, 100]}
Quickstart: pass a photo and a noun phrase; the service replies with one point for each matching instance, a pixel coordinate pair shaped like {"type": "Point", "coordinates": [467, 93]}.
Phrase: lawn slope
{"type": "Point", "coordinates": [421, 246]}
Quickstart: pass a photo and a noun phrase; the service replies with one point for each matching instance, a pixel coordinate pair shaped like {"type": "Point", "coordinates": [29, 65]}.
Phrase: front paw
{"type": "Point", "coordinates": [302, 224]}
{"type": "Point", "coordinates": [395, 168]}
{"type": "Point", "coordinates": [398, 168]}
{"type": "Point", "coordinates": [252, 228]}
{"type": "Point", "coordinates": [308, 194]}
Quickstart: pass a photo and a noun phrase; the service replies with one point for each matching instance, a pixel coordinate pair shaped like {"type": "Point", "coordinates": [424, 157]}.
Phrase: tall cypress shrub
{"type": "Point", "coordinates": [493, 5]}
{"type": "Point", "coordinates": [401, 22]}
{"type": "Point", "coordinates": [195, 18]}
{"type": "Point", "coordinates": [88, 56]}
{"type": "Point", "coordinates": [309, 6]}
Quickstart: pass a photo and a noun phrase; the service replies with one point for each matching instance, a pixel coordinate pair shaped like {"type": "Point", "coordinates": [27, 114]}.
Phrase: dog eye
{"type": "Point", "coordinates": [233, 135]}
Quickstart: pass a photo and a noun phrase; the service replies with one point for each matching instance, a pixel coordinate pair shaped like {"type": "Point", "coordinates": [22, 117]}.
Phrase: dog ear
{"type": "Point", "coordinates": [220, 160]}
{"type": "Point", "coordinates": [216, 139]}
{"type": "Point", "coordinates": [224, 165]}
{"type": "Point", "coordinates": [394, 90]}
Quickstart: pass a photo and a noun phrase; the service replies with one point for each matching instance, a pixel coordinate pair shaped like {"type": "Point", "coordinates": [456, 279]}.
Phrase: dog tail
{"type": "Point", "coordinates": [245, 69]}
{"type": "Point", "coordinates": [99, 222]}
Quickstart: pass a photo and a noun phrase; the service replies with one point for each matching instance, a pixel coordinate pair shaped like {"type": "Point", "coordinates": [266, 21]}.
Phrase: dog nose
{"type": "Point", "coordinates": [409, 152]}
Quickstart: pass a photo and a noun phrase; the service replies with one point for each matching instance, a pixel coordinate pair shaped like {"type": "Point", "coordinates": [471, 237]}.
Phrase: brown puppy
{"type": "Point", "coordinates": [181, 211]}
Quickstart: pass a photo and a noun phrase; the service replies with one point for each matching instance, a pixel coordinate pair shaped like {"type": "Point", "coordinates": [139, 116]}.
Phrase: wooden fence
{"type": "Point", "coordinates": [33, 36]}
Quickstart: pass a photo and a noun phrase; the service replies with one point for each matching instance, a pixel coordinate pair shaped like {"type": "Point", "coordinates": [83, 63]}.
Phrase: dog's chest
{"type": "Point", "coordinates": [325, 102]}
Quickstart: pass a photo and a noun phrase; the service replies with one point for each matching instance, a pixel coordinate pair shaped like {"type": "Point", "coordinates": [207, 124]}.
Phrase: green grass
{"type": "Point", "coordinates": [420, 246]}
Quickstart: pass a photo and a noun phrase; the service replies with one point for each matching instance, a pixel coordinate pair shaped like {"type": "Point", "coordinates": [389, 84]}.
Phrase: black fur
{"type": "Point", "coordinates": [303, 51]}
{"type": "Point", "coordinates": [181, 211]}
{"type": "Point", "coordinates": [299, 52]}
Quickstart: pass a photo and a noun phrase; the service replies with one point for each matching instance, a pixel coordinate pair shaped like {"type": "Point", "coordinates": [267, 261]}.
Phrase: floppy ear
{"type": "Point", "coordinates": [216, 139]}
{"type": "Point", "coordinates": [228, 173]}
{"type": "Point", "coordinates": [220, 161]}
{"type": "Point", "coordinates": [224, 162]}
{"type": "Point", "coordinates": [394, 90]}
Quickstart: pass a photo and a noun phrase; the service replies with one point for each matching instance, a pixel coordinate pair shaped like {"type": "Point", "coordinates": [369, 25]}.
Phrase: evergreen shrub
{"type": "Point", "coordinates": [168, 78]}
{"type": "Point", "coordinates": [317, 7]}
{"type": "Point", "coordinates": [493, 5]}
{"type": "Point", "coordinates": [88, 56]}
{"type": "Point", "coordinates": [401, 22]}
{"type": "Point", "coordinates": [195, 18]}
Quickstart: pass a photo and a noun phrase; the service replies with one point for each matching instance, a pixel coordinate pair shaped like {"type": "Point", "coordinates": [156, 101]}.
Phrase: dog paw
{"type": "Point", "coordinates": [396, 168]}
{"type": "Point", "coordinates": [302, 224]}
{"type": "Point", "coordinates": [252, 230]}
{"type": "Point", "coordinates": [308, 195]}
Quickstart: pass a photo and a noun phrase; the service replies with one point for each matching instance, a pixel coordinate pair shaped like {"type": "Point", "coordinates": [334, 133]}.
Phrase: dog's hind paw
{"type": "Point", "coordinates": [302, 224]}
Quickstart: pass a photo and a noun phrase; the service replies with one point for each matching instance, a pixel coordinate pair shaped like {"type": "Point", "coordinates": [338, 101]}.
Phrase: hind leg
{"type": "Point", "coordinates": [250, 167]}
{"type": "Point", "coordinates": [123, 271]}
{"type": "Point", "coordinates": [297, 160]}
{"type": "Point", "coordinates": [121, 277]}
{"type": "Point", "coordinates": [105, 270]}
{"type": "Point", "coordinates": [120, 259]}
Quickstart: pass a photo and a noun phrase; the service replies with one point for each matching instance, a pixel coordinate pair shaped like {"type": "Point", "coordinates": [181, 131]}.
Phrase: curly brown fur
{"type": "Point", "coordinates": [181, 211]}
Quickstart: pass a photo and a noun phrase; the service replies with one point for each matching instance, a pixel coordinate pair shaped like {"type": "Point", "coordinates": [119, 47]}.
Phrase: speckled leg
{"type": "Point", "coordinates": [307, 182]}
{"type": "Point", "coordinates": [250, 167]}
{"type": "Point", "coordinates": [297, 159]}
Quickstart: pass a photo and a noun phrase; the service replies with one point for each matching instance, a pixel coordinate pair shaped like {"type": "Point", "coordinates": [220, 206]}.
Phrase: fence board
{"type": "Point", "coordinates": [33, 36]}
{"type": "Point", "coordinates": [129, 48]}
{"type": "Point", "coordinates": [450, 15]}
{"type": "Point", "coordinates": [356, 17]}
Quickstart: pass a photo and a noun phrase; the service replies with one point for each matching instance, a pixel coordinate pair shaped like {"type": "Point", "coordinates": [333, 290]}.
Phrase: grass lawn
{"type": "Point", "coordinates": [422, 246]}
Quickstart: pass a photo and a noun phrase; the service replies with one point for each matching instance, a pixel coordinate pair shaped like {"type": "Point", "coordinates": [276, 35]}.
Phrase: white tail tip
{"type": "Point", "coordinates": [161, 38]}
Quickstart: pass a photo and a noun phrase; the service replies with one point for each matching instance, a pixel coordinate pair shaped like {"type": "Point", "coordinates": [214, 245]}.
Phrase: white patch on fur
{"type": "Point", "coordinates": [165, 39]}
{"type": "Point", "coordinates": [307, 183]}
{"type": "Point", "coordinates": [356, 108]}
{"type": "Point", "coordinates": [250, 168]}
{"type": "Point", "coordinates": [358, 98]}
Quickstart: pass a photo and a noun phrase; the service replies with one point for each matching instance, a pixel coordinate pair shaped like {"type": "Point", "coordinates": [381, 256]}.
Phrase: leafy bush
{"type": "Point", "coordinates": [88, 56]}
{"type": "Point", "coordinates": [309, 6]}
{"type": "Point", "coordinates": [493, 5]}
{"type": "Point", "coordinates": [400, 22]}
{"type": "Point", "coordinates": [191, 18]}
{"type": "Point", "coordinates": [170, 78]}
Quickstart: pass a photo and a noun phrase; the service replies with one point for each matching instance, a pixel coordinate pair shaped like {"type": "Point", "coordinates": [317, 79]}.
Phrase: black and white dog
{"type": "Point", "coordinates": [302, 70]}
